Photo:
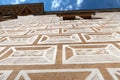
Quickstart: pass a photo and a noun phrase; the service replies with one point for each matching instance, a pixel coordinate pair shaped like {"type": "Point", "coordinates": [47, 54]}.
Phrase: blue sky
{"type": "Point", "coordinates": [60, 5]}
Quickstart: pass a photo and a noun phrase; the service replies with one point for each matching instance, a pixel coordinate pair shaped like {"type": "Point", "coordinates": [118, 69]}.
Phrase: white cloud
{"type": "Point", "coordinates": [56, 3]}
{"type": "Point", "coordinates": [66, 5]}
{"type": "Point", "coordinates": [18, 1]}
{"type": "Point", "coordinates": [70, 7]}
{"type": "Point", "coordinates": [79, 2]}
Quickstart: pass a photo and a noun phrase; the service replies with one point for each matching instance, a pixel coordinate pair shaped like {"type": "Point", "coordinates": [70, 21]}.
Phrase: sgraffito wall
{"type": "Point", "coordinates": [49, 48]}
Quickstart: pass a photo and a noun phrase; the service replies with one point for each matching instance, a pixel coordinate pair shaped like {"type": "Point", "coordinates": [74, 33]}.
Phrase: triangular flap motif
{"type": "Point", "coordinates": [26, 11]}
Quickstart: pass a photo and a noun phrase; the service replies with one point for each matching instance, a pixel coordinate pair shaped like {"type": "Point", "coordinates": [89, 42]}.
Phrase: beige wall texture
{"type": "Point", "coordinates": [48, 48]}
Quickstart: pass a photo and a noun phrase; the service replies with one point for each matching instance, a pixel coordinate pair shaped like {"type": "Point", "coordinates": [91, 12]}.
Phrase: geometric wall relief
{"type": "Point", "coordinates": [108, 29]}
{"type": "Point", "coordinates": [111, 24]}
{"type": "Point", "coordinates": [4, 74]}
{"type": "Point", "coordinates": [95, 22]}
{"type": "Point", "coordinates": [1, 48]}
{"type": "Point", "coordinates": [55, 26]}
{"type": "Point", "coordinates": [63, 22]}
{"type": "Point", "coordinates": [90, 53]}
{"type": "Point", "coordinates": [46, 31]}
{"type": "Point", "coordinates": [39, 55]}
{"type": "Point", "coordinates": [118, 44]}
{"type": "Point", "coordinates": [14, 32]}
{"type": "Point", "coordinates": [9, 22]}
{"type": "Point", "coordinates": [15, 27]}
{"type": "Point", "coordinates": [35, 27]}
{"type": "Point", "coordinates": [102, 37]}
{"type": "Point", "coordinates": [86, 25]}
{"type": "Point", "coordinates": [66, 26]}
{"type": "Point", "coordinates": [2, 32]}
{"type": "Point", "coordinates": [114, 21]}
{"type": "Point", "coordinates": [51, 39]}
{"type": "Point", "coordinates": [115, 73]}
{"type": "Point", "coordinates": [29, 24]}
{"type": "Point", "coordinates": [77, 30]}
{"type": "Point", "coordinates": [1, 38]}
{"type": "Point", "coordinates": [18, 40]}
{"type": "Point", "coordinates": [10, 25]}
{"type": "Point", "coordinates": [61, 74]}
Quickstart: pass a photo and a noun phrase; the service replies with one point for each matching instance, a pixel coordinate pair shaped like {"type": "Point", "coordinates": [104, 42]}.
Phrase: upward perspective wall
{"type": "Point", "coordinates": [48, 48]}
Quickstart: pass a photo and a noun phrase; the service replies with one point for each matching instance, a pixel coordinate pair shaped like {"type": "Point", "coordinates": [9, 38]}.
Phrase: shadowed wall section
{"type": "Point", "coordinates": [12, 11]}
